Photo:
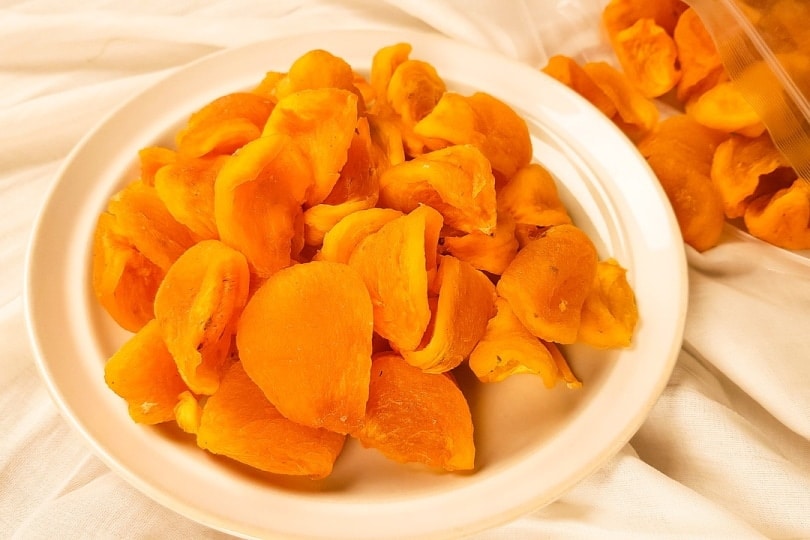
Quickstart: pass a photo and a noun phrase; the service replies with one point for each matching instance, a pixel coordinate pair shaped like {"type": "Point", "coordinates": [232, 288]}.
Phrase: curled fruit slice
{"type": "Point", "coordinates": [239, 422]}
{"type": "Point", "coordinates": [508, 348]}
{"type": "Point", "coordinates": [339, 242]}
{"type": "Point", "coordinates": [457, 181]}
{"type": "Point", "coordinates": [196, 308]}
{"type": "Point", "coordinates": [305, 340]}
{"type": "Point", "coordinates": [609, 314]}
{"type": "Point", "coordinates": [397, 264]}
{"type": "Point", "coordinates": [144, 373]}
{"type": "Point", "coordinates": [465, 304]}
{"type": "Point", "coordinates": [490, 253]}
{"type": "Point", "coordinates": [257, 202]}
{"type": "Point", "coordinates": [782, 218]}
{"type": "Point", "coordinates": [548, 281]}
{"type": "Point", "coordinates": [531, 198]}
{"type": "Point", "coordinates": [321, 123]}
{"type": "Point", "coordinates": [417, 417]}
{"type": "Point", "coordinates": [648, 56]}
{"type": "Point", "coordinates": [124, 281]}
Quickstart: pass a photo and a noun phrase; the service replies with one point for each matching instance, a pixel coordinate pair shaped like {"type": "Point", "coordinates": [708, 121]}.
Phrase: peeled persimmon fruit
{"type": "Point", "coordinates": [305, 339]}
{"type": "Point", "coordinates": [143, 372]}
{"type": "Point", "coordinates": [417, 417]}
{"type": "Point", "coordinates": [397, 264]}
{"type": "Point", "coordinates": [339, 241]}
{"type": "Point", "coordinates": [196, 308]}
{"type": "Point", "coordinates": [240, 423]}
{"type": "Point", "coordinates": [508, 348]}
{"type": "Point", "coordinates": [321, 123]}
{"type": "Point", "coordinates": [257, 202]}
{"type": "Point", "coordinates": [465, 303]}
{"type": "Point", "coordinates": [487, 252]}
{"type": "Point", "coordinates": [143, 219]}
{"type": "Point", "coordinates": [123, 279]}
{"type": "Point", "coordinates": [457, 181]}
{"type": "Point", "coordinates": [186, 187]}
{"type": "Point", "coordinates": [225, 124]}
{"type": "Point", "coordinates": [548, 281]}
{"type": "Point", "coordinates": [609, 314]}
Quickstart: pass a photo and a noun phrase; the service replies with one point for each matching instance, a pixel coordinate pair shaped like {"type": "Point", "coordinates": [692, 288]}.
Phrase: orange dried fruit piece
{"type": "Point", "coordinates": [744, 169]}
{"type": "Point", "coordinates": [387, 138]}
{"type": "Point", "coordinates": [466, 301]}
{"type": "Point", "coordinates": [257, 202]}
{"type": "Point", "coordinates": [531, 197]}
{"type": "Point", "coordinates": [321, 122]}
{"type": "Point", "coordinates": [566, 375]}
{"type": "Point", "coordinates": [267, 86]}
{"type": "Point", "coordinates": [413, 90]}
{"type": "Point", "coordinates": [508, 348]}
{"type": "Point", "coordinates": [417, 417]}
{"type": "Point", "coordinates": [680, 152]}
{"type": "Point", "coordinates": [487, 252]}
{"type": "Point", "coordinates": [143, 219]}
{"type": "Point", "coordinates": [548, 280]}
{"type": "Point", "coordinates": [485, 122]}
{"type": "Point", "coordinates": [566, 70]}
{"type": "Point", "coordinates": [621, 14]}
{"type": "Point", "coordinates": [357, 188]}
{"type": "Point", "coordinates": [397, 264]}
{"type": "Point", "coordinates": [225, 124]}
{"type": "Point", "coordinates": [609, 314]}
{"type": "Point", "coordinates": [724, 108]}
{"type": "Point", "coordinates": [701, 65]}
{"type": "Point", "coordinates": [339, 242]}
{"type": "Point", "coordinates": [186, 187]}
{"type": "Point", "coordinates": [123, 279]}
{"type": "Point", "coordinates": [143, 372]}
{"type": "Point", "coordinates": [457, 181]}
{"type": "Point", "coordinates": [151, 159]}
{"type": "Point", "coordinates": [305, 339]}
{"type": "Point", "coordinates": [188, 412]}
{"type": "Point", "coordinates": [648, 56]}
{"type": "Point", "coordinates": [383, 64]}
{"type": "Point", "coordinates": [240, 423]}
{"type": "Point", "coordinates": [196, 308]}
{"type": "Point", "coordinates": [636, 115]}
{"type": "Point", "coordinates": [314, 69]}
{"type": "Point", "coordinates": [782, 218]}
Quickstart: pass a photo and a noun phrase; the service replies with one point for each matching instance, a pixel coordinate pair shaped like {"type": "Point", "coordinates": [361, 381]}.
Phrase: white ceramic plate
{"type": "Point", "coordinates": [532, 444]}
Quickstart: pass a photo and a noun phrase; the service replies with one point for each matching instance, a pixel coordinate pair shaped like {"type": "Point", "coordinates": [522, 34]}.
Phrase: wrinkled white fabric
{"type": "Point", "coordinates": [725, 453]}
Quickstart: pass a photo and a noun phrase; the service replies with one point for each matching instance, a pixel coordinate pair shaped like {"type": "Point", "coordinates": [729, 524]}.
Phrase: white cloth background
{"type": "Point", "coordinates": [725, 452]}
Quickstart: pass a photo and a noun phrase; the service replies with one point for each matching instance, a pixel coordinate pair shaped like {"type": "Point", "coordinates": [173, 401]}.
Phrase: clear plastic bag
{"type": "Point", "coordinates": [765, 46]}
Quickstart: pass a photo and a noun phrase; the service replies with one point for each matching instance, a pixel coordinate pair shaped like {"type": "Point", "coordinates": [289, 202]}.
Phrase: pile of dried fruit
{"type": "Point", "coordinates": [318, 254]}
{"type": "Point", "coordinates": [714, 159]}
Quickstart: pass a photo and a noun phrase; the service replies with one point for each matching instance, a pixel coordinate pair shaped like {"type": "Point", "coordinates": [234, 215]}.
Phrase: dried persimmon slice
{"type": "Point", "coordinates": [609, 314]}
{"type": "Point", "coordinates": [397, 264]}
{"type": "Point", "coordinates": [457, 181]}
{"type": "Point", "coordinates": [531, 197]}
{"type": "Point", "coordinates": [487, 252]}
{"type": "Point", "coordinates": [548, 281]}
{"type": "Point", "coordinates": [417, 417]}
{"type": "Point", "coordinates": [151, 159]}
{"type": "Point", "coordinates": [413, 90]}
{"type": "Point", "coordinates": [339, 242]}
{"type": "Point", "coordinates": [782, 218]}
{"type": "Point", "coordinates": [225, 124]}
{"type": "Point", "coordinates": [508, 348]}
{"type": "Point", "coordinates": [315, 69]}
{"type": "Point", "coordinates": [186, 187]}
{"type": "Point", "coordinates": [648, 56]}
{"type": "Point", "coordinates": [123, 279]}
{"type": "Point", "coordinates": [566, 70]}
{"type": "Point", "coordinates": [305, 340]}
{"type": "Point", "coordinates": [240, 423]}
{"type": "Point", "coordinates": [483, 121]}
{"type": "Point", "coordinates": [321, 123]}
{"type": "Point", "coordinates": [257, 202]}
{"type": "Point", "coordinates": [466, 301]}
{"type": "Point", "coordinates": [701, 64]}
{"type": "Point", "coordinates": [196, 308]}
{"type": "Point", "coordinates": [143, 219]}
{"type": "Point", "coordinates": [383, 64]}
{"type": "Point", "coordinates": [143, 372]}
